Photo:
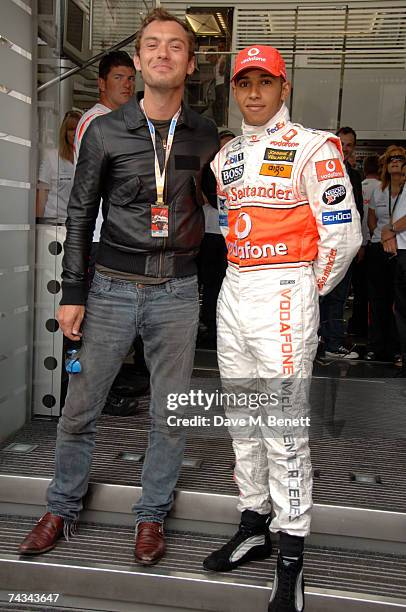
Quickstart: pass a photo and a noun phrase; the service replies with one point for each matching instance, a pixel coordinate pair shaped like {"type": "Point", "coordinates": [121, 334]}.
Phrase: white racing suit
{"type": "Point", "coordinates": [293, 230]}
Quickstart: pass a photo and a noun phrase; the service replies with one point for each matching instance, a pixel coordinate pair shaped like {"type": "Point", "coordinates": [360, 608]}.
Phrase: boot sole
{"type": "Point", "coordinates": [37, 552]}
{"type": "Point", "coordinates": [146, 563]}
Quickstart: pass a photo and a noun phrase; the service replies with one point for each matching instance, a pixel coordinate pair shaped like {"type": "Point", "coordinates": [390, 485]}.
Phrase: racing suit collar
{"type": "Point", "coordinates": [253, 133]}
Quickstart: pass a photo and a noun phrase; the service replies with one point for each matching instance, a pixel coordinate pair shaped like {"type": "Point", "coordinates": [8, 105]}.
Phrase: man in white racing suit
{"type": "Point", "coordinates": [293, 230]}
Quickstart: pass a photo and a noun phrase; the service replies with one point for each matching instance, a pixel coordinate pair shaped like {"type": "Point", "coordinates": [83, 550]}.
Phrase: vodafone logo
{"type": "Point", "coordinates": [252, 52]}
{"type": "Point", "coordinates": [243, 226]}
{"type": "Point", "coordinates": [329, 169]}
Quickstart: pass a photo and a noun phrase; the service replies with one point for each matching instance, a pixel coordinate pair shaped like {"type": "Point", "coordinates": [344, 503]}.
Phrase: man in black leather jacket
{"type": "Point", "coordinates": [145, 281]}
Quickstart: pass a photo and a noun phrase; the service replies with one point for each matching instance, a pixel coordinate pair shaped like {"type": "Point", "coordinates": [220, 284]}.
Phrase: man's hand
{"type": "Point", "coordinates": [390, 246]}
{"type": "Point", "coordinates": [387, 233]}
{"type": "Point", "coordinates": [70, 319]}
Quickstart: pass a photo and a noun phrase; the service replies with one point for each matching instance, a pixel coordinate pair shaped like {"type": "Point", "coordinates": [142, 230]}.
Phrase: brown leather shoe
{"type": "Point", "coordinates": [149, 543]}
{"type": "Point", "coordinates": [44, 536]}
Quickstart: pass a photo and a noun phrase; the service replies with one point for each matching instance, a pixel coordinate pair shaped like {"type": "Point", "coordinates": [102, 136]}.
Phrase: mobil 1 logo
{"type": "Point", "coordinates": [334, 195]}
{"type": "Point", "coordinates": [232, 174]}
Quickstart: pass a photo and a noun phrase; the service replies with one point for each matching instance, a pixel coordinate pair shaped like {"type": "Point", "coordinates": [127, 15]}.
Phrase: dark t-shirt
{"type": "Point", "coordinates": [356, 182]}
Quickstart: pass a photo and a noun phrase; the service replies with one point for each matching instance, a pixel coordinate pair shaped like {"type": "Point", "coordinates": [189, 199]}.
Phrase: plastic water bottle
{"type": "Point", "coordinates": [72, 363]}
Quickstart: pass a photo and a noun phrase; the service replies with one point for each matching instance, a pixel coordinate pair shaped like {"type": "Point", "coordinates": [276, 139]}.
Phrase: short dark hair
{"type": "Point", "coordinates": [160, 14]}
{"type": "Point", "coordinates": [112, 60]}
{"type": "Point", "coordinates": [224, 133]}
{"type": "Point", "coordinates": [371, 164]}
{"type": "Point", "coordinates": [347, 130]}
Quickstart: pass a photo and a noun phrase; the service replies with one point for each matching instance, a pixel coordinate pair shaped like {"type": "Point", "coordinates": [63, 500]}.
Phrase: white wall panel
{"type": "Point", "coordinates": [15, 206]}
{"type": "Point", "coordinates": [15, 161]}
{"type": "Point", "coordinates": [14, 251]}
{"type": "Point", "coordinates": [16, 294]}
{"type": "Point", "coordinates": [15, 116]}
{"type": "Point", "coordinates": [12, 371]}
{"type": "Point", "coordinates": [16, 71]}
{"type": "Point", "coordinates": [47, 342]}
{"type": "Point", "coordinates": [14, 333]}
{"type": "Point", "coordinates": [16, 24]}
{"type": "Point", "coordinates": [15, 405]}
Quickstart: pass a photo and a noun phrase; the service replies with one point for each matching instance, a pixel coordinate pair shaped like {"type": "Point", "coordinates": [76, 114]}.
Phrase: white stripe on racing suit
{"type": "Point", "coordinates": [96, 111]}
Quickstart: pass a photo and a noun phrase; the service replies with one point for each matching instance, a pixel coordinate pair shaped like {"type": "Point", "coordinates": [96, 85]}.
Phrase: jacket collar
{"type": "Point", "coordinates": [253, 133]}
{"type": "Point", "coordinates": [135, 118]}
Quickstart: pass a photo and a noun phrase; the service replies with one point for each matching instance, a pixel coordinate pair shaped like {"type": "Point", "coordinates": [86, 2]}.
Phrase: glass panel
{"type": "Point", "coordinates": [316, 111]}
{"type": "Point", "coordinates": [208, 88]}
{"type": "Point", "coordinates": [385, 99]}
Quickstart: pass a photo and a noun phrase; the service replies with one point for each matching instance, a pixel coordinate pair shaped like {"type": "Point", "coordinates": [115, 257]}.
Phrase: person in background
{"type": "Point", "coordinates": [352, 160]}
{"type": "Point", "coordinates": [116, 84]}
{"type": "Point", "coordinates": [55, 177]}
{"type": "Point", "coordinates": [369, 184]}
{"type": "Point", "coordinates": [358, 322]}
{"type": "Point", "coordinates": [332, 325]}
{"type": "Point", "coordinates": [395, 230]}
{"type": "Point", "coordinates": [381, 264]}
{"type": "Point", "coordinates": [149, 161]}
{"type": "Point", "coordinates": [212, 262]}
{"type": "Point", "coordinates": [293, 230]}
{"type": "Point", "coordinates": [218, 62]}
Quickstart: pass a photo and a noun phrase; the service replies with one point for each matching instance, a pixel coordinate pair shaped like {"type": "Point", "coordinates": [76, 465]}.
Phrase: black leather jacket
{"type": "Point", "coordinates": [116, 163]}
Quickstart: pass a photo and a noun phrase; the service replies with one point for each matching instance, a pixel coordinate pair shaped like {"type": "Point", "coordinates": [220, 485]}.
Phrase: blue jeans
{"type": "Point", "coordinates": [332, 324]}
{"type": "Point", "coordinates": [166, 317]}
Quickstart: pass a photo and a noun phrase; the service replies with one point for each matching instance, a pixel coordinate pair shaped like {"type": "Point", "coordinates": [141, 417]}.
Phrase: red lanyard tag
{"type": "Point", "coordinates": [159, 221]}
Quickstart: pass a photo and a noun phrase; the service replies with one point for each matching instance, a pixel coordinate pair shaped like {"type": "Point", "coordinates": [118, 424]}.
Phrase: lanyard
{"type": "Point", "coordinates": [160, 176]}
{"type": "Point", "coordinates": [392, 210]}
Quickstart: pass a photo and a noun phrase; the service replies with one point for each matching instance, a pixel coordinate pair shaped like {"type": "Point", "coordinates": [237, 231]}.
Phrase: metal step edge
{"type": "Point", "coordinates": [82, 604]}
{"type": "Point", "coordinates": [178, 589]}
{"type": "Point", "coordinates": [210, 508]}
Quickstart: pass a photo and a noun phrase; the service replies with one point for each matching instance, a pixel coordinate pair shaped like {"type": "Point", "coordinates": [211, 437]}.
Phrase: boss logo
{"type": "Point", "coordinates": [334, 195]}
{"type": "Point", "coordinates": [232, 175]}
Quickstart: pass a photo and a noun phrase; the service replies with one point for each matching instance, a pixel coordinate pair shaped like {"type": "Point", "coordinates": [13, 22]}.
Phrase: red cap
{"type": "Point", "coordinates": [265, 58]}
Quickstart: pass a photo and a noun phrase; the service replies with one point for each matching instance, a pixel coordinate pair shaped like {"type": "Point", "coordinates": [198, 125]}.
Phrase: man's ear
{"type": "Point", "coordinates": [191, 66]}
{"type": "Point", "coordinates": [101, 83]}
{"type": "Point", "coordinates": [285, 90]}
{"type": "Point", "coordinates": [137, 62]}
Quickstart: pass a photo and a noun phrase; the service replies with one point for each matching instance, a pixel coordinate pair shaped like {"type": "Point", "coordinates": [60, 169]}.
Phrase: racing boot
{"type": "Point", "coordinates": [252, 542]}
{"type": "Point", "coordinates": [288, 586]}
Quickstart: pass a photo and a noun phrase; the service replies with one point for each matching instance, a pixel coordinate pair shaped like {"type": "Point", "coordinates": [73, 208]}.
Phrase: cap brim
{"type": "Point", "coordinates": [253, 66]}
